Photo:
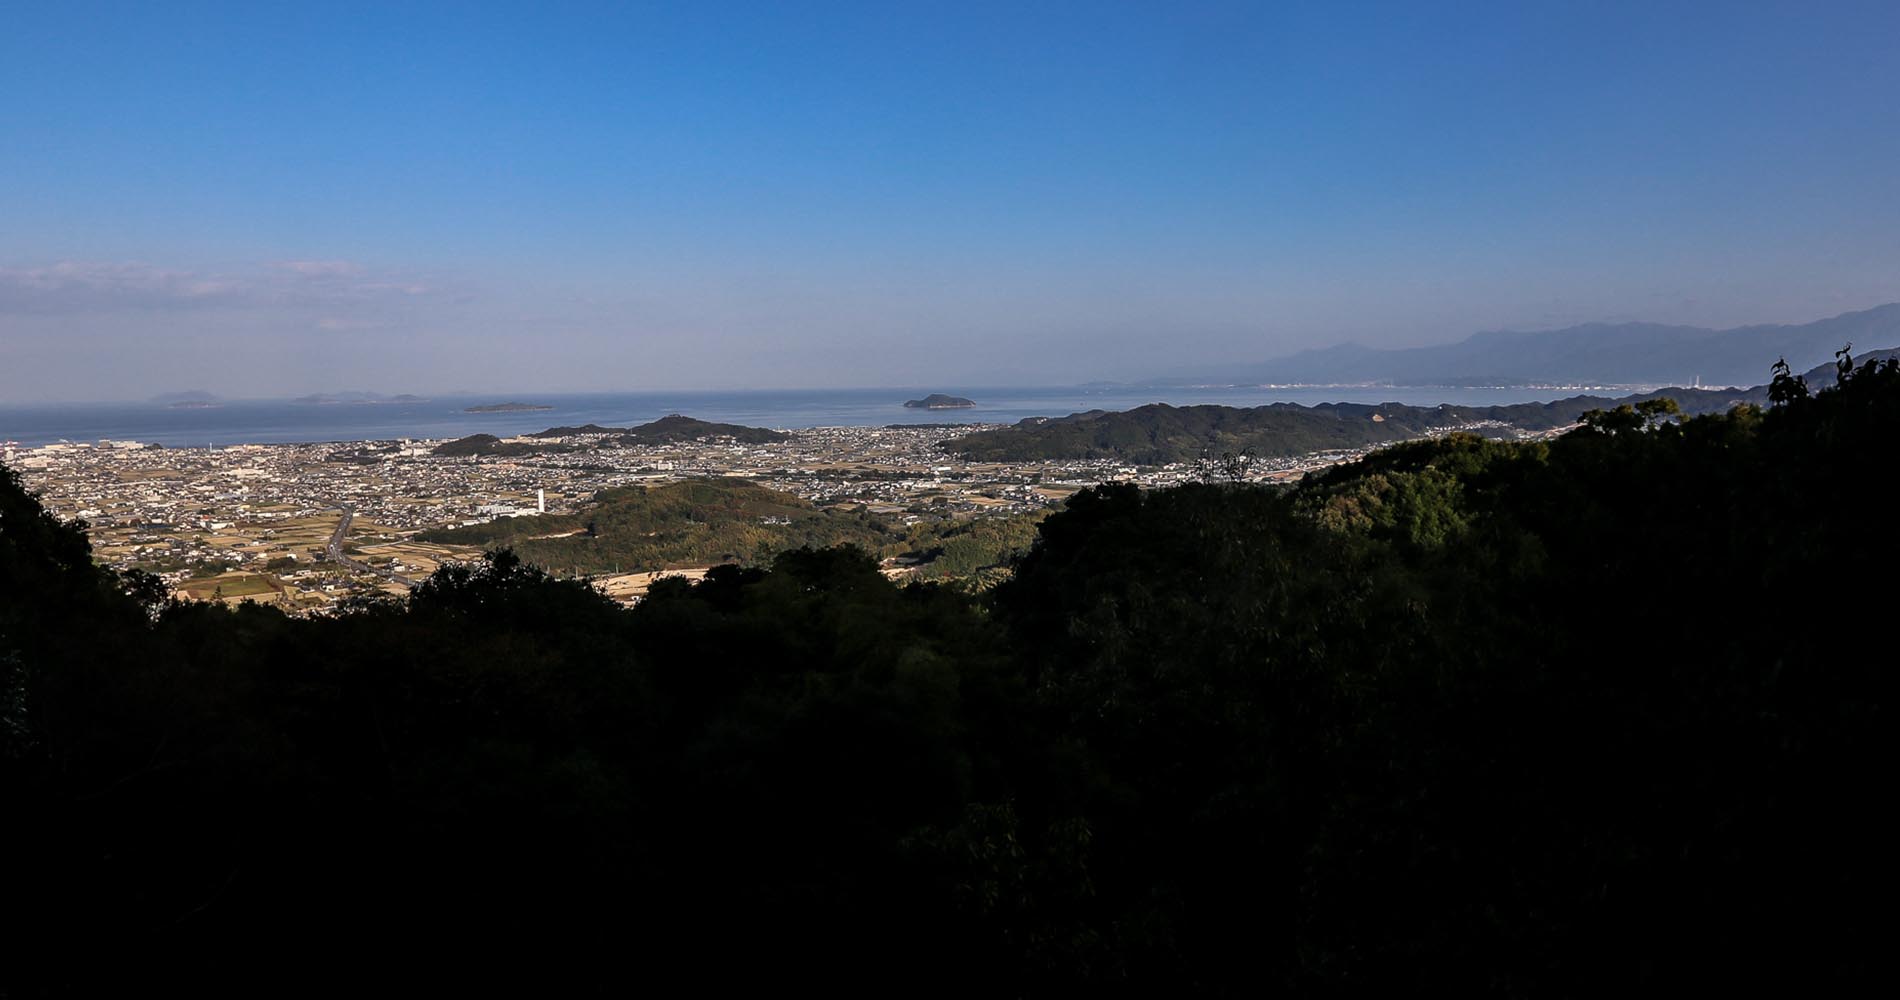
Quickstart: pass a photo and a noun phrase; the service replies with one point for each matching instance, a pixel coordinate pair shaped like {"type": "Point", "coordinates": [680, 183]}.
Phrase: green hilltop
{"type": "Point", "coordinates": [697, 522]}
{"type": "Point", "coordinates": [489, 444]}
{"type": "Point", "coordinates": [666, 430]}
{"type": "Point", "coordinates": [671, 428]}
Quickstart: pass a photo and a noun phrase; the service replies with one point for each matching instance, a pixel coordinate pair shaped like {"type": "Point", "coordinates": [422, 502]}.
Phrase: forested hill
{"type": "Point", "coordinates": [1605, 714]}
{"type": "Point", "coordinates": [671, 428]}
{"type": "Point", "coordinates": [697, 522]}
{"type": "Point", "coordinates": [489, 444]}
{"type": "Point", "coordinates": [1159, 434]}
{"type": "Point", "coordinates": [666, 430]}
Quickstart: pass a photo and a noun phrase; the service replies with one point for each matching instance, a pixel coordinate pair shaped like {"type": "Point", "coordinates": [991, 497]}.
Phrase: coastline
{"type": "Point", "coordinates": [235, 422]}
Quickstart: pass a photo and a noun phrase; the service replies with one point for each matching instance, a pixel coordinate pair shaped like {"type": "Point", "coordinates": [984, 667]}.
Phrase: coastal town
{"type": "Point", "coordinates": [310, 526]}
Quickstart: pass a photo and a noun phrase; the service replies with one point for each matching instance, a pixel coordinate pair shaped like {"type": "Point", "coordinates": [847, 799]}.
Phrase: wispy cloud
{"type": "Point", "coordinates": [320, 268]}
{"type": "Point", "coordinates": [338, 324]}
{"type": "Point", "coordinates": [79, 287]}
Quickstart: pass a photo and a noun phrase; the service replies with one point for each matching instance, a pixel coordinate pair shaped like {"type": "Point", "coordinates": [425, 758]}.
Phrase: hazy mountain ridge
{"type": "Point", "coordinates": [1589, 354]}
{"type": "Point", "coordinates": [1823, 375]}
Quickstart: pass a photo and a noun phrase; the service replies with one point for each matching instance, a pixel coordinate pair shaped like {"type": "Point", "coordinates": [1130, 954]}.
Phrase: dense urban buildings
{"type": "Point", "coordinates": [261, 522]}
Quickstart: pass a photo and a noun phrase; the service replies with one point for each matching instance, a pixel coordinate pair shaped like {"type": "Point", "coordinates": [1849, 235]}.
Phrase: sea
{"type": "Point", "coordinates": [263, 421]}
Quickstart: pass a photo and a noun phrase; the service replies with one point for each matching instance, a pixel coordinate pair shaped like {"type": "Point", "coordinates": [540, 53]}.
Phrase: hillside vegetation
{"type": "Point", "coordinates": [489, 444]}
{"type": "Point", "coordinates": [1604, 714]}
{"type": "Point", "coordinates": [697, 522]}
{"type": "Point", "coordinates": [1160, 434]}
{"type": "Point", "coordinates": [669, 429]}
{"type": "Point", "coordinates": [666, 430]}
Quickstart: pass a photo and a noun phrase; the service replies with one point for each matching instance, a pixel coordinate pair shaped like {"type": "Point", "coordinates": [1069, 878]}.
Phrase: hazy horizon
{"type": "Point", "coordinates": [273, 203]}
{"type": "Point", "coordinates": [1175, 374]}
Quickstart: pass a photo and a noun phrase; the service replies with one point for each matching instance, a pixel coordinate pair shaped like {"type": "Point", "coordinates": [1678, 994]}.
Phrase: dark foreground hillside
{"type": "Point", "coordinates": [1607, 713]}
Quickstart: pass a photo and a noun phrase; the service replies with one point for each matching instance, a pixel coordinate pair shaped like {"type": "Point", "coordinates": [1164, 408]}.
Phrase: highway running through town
{"type": "Point", "coordinates": [337, 556]}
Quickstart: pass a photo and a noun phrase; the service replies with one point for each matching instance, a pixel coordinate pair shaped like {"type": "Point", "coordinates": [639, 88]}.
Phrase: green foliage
{"type": "Point", "coordinates": [1598, 714]}
{"type": "Point", "coordinates": [696, 522]}
{"type": "Point", "coordinates": [1628, 417]}
{"type": "Point", "coordinates": [671, 429]}
{"type": "Point", "coordinates": [1159, 434]}
{"type": "Point", "coordinates": [489, 444]}
{"type": "Point", "coordinates": [981, 550]}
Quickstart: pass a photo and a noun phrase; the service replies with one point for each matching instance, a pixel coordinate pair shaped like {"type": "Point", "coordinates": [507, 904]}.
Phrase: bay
{"type": "Point", "coordinates": [285, 421]}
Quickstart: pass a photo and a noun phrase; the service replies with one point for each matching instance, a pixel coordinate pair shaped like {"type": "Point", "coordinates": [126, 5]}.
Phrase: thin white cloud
{"type": "Point", "coordinates": [69, 286]}
{"type": "Point", "coordinates": [337, 324]}
{"type": "Point", "coordinates": [321, 268]}
{"type": "Point", "coordinates": [83, 287]}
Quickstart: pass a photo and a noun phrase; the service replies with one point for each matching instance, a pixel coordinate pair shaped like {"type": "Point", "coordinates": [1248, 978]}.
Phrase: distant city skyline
{"type": "Point", "coordinates": [269, 202]}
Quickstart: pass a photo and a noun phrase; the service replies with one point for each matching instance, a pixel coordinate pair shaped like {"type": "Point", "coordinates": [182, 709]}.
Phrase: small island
{"type": "Point", "coordinates": [193, 399]}
{"type": "Point", "coordinates": [939, 401]}
{"type": "Point", "coordinates": [507, 408]}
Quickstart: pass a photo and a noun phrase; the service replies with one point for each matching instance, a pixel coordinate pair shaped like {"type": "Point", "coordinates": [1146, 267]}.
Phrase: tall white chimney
{"type": "Point", "coordinates": [541, 501]}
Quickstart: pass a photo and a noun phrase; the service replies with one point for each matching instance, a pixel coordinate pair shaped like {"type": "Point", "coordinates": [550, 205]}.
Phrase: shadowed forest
{"type": "Point", "coordinates": [1600, 713]}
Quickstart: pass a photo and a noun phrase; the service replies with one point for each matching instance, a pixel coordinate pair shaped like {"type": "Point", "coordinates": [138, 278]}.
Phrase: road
{"type": "Point", "coordinates": [337, 556]}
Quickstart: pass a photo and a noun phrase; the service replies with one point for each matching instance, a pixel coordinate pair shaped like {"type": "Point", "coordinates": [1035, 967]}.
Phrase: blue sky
{"type": "Point", "coordinates": [271, 199]}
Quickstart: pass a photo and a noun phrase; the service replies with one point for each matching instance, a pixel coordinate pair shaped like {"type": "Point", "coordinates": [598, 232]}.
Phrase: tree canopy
{"type": "Point", "coordinates": [1604, 712]}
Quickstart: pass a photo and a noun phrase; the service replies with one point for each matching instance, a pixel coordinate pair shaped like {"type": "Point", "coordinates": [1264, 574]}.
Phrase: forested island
{"type": "Point", "coordinates": [1602, 713]}
{"type": "Point", "coordinates": [939, 401]}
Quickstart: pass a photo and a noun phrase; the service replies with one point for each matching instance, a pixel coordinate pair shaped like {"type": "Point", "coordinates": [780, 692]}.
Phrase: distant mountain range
{"type": "Point", "coordinates": [1595, 354]}
{"type": "Point", "coordinates": [1159, 434]}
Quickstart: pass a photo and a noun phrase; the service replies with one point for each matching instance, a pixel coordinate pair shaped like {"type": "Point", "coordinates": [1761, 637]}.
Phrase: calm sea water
{"type": "Point", "coordinates": [279, 421]}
